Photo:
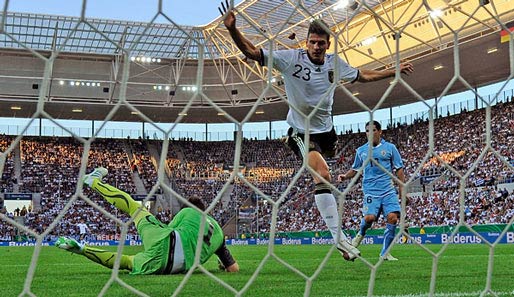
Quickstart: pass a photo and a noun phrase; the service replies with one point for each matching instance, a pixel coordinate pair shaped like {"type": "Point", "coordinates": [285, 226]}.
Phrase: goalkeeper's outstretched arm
{"type": "Point", "coordinates": [226, 261]}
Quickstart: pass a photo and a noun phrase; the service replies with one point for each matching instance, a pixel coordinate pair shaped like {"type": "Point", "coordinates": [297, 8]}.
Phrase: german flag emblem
{"type": "Point", "coordinates": [331, 76]}
{"type": "Point", "coordinates": [505, 35]}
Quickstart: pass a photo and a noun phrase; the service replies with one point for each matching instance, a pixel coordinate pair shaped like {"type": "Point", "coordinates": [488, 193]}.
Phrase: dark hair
{"type": "Point", "coordinates": [376, 124]}
{"type": "Point", "coordinates": [196, 202]}
{"type": "Point", "coordinates": [318, 27]}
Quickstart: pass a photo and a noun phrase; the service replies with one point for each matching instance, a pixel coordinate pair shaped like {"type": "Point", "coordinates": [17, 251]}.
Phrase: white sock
{"type": "Point", "coordinates": [327, 207]}
{"type": "Point", "coordinates": [89, 181]}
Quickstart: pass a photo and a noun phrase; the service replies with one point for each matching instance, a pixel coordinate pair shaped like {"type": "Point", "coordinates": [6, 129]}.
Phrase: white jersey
{"type": "Point", "coordinates": [83, 228]}
{"type": "Point", "coordinates": [307, 84]}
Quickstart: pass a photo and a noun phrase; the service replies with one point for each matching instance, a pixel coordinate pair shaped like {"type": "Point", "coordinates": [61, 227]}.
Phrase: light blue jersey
{"type": "Point", "coordinates": [376, 182]}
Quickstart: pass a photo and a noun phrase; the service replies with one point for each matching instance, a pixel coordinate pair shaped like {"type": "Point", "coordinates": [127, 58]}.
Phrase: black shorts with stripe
{"type": "Point", "coordinates": [324, 143]}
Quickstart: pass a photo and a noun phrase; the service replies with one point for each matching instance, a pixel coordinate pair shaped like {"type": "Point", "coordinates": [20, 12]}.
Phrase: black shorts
{"type": "Point", "coordinates": [324, 143]}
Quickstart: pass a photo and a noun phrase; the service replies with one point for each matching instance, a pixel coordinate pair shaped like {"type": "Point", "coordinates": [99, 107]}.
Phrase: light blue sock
{"type": "Point", "coordinates": [364, 227]}
{"type": "Point", "coordinates": [388, 237]}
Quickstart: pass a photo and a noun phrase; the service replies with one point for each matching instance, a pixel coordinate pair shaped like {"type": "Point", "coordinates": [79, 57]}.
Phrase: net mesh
{"type": "Point", "coordinates": [487, 149]}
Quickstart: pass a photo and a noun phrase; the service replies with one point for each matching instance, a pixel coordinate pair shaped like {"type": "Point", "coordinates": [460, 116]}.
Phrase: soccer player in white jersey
{"type": "Point", "coordinates": [308, 76]}
{"type": "Point", "coordinates": [380, 195]}
{"type": "Point", "coordinates": [83, 230]}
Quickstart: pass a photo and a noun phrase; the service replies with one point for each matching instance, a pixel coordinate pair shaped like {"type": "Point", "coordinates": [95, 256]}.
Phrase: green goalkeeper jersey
{"type": "Point", "coordinates": [187, 223]}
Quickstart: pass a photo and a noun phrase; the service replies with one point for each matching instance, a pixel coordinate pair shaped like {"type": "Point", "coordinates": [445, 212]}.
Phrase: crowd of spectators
{"type": "Point", "coordinates": [177, 168]}
{"type": "Point", "coordinates": [459, 146]}
{"type": "Point", "coordinates": [268, 168]}
{"type": "Point", "coordinates": [8, 179]}
{"type": "Point", "coordinates": [50, 167]}
{"type": "Point", "coordinates": [142, 163]}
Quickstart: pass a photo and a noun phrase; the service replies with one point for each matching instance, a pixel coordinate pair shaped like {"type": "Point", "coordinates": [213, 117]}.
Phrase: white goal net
{"type": "Point", "coordinates": [208, 75]}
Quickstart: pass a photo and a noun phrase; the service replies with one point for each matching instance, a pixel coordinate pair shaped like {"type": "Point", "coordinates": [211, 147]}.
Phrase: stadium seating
{"type": "Point", "coordinates": [50, 166]}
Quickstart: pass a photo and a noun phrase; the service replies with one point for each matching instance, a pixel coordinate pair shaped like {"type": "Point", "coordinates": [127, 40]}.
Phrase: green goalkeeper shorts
{"type": "Point", "coordinates": [155, 237]}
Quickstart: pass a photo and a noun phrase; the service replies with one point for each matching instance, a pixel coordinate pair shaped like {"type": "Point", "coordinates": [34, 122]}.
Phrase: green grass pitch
{"type": "Point", "coordinates": [462, 271]}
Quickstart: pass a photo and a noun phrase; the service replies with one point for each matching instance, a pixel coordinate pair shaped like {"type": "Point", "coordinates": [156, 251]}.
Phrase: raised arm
{"type": "Point", "coordinates": [367, 75]}
{"type": "Point", "coordinates": [244, 45]}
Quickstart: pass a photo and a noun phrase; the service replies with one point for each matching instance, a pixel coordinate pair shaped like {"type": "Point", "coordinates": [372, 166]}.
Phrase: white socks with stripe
{"type": "Point", "coordinates": [327, 207]}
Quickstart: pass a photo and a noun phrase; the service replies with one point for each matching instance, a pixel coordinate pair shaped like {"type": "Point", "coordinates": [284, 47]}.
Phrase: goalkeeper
{"type": "Point", "coordinates": [168, 249]}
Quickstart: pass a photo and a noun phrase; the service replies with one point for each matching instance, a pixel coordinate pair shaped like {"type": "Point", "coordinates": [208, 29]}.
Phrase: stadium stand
{"type": "Point", "coordinates": [50, 166]}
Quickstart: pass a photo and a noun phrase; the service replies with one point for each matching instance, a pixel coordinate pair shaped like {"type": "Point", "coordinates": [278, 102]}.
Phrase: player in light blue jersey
{"type": "Point", "coordinates": [380, 195]}
{"type": "Point", "coordinates": [309, 75]}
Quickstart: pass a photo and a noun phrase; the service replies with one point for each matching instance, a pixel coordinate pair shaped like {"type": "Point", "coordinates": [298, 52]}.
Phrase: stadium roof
{"type": "Point", "coordinates": [156, 39]}
{"type": "Point", "coordinates": [366, 35]}
{"type": "Point", "coordinates": [97, 36]}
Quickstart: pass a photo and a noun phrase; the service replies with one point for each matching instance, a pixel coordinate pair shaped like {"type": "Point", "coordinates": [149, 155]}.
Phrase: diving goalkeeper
{"type": "Point", "coordinates": [168, 249]}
